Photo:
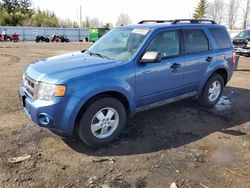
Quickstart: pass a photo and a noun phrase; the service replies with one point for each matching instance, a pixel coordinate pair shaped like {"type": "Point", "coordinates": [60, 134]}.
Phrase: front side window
{"type": "Point", "coordinates": [167, 43]}
{"type": "Point", "coordinates": [195, 41]}
{"type": "Point", "coordinates": [119, 44]}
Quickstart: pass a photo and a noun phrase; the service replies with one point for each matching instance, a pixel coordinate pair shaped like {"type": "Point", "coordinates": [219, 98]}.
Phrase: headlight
{"type": "Point", "coordinates": [248, 43]}
{"type": "Point", "coordinates": [49, 91]}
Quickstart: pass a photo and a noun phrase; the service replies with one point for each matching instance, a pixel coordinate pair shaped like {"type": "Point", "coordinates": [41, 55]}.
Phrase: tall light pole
{"type": "Point", "coordinates": [81, 16]}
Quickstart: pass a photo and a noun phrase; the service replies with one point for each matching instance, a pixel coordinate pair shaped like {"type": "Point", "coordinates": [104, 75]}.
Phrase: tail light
{"type": "Point", "coordinates": [234, 58]}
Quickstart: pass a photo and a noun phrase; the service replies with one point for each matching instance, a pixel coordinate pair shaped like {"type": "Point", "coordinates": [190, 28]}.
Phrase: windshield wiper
{"type": "Point", "coordinates": [90, 53]}
{"type": "Point", "coordinates": [96, 54]}
{"type": "Point", "coordinates": [100, 55]}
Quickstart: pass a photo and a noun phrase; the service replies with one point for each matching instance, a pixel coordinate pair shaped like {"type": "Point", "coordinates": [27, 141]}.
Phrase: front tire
{"type": "Point", "coordinates": [212, 91]}
{"type": "Point", "coordinates": [102, 122]}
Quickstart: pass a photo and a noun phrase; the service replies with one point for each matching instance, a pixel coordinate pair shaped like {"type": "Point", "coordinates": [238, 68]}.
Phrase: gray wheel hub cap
{"type": "Point", "coordinates": [214, 91]}
{"type": "Point", "coordinates": [104, 123]}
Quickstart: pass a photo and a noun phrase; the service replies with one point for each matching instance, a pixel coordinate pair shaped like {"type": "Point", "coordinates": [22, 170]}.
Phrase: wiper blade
{"type": "Point", "coordinates": [90, 53]}
{"type": "Point", "coordinates": [100, 55]}
{"type": "Point", "coordinates": [96, 54]}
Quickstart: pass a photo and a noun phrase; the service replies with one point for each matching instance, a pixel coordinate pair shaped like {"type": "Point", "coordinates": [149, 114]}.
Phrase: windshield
{"type": "Point", "coordinates": [243, 34]}
{"type": "Point", "coordinates": [119, 44]}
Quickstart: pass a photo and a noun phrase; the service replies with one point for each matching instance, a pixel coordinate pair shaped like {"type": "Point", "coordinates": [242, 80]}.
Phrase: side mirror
{"type": "Point", "coordinates": [151, 57]}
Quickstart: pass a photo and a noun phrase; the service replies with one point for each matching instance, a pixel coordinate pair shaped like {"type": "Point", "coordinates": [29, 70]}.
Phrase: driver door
{"type": "Point", "coordinates": [162, 80]}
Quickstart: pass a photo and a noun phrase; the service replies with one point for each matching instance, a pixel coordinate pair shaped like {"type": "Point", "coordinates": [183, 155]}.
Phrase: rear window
{"type": "Point", "coordinates": [221, 39]}
{"type": "Point", "coordinates": [195, 41]}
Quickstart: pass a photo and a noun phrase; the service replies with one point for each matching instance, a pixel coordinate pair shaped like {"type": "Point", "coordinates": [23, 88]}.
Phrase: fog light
{"type": "Point", "coordinates": [44, 119]}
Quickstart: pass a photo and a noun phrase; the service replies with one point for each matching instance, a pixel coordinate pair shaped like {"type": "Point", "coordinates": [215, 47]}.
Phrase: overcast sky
{"type": "Point", "coordinates": [108, 10]}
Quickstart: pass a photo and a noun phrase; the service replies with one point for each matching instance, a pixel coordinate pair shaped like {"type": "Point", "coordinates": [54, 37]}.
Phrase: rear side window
{"type": "Point", "coordinates": [221, 39]}
{"type": "Point", "coordinates": [195, 41]}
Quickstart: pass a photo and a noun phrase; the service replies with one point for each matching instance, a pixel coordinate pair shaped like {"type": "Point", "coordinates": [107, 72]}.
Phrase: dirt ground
{"type": "Point", "coordinates": [181, 142]}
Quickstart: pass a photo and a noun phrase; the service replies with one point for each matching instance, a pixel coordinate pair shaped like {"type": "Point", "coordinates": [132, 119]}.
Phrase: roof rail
{"type": "Point", "coordinates": [154, 21]}
{"type": "Point", "coordinates": [192, 21]}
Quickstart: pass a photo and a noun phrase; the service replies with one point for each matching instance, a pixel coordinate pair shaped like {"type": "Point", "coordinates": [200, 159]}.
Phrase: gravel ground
{"type": "Point", "coordinates": [181, 142]}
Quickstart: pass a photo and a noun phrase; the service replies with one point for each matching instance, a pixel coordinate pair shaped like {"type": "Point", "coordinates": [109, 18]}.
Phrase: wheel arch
{"type": "Point", "coordinates": [114, 94]}
{"type": "Point", "coordinates": [221, 71]}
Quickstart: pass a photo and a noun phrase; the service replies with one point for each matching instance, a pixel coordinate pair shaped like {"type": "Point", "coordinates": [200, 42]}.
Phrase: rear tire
{"type": "Point", "coordinates": [212, 91]}
{"type": "Point", "coordinates": [102, 122]}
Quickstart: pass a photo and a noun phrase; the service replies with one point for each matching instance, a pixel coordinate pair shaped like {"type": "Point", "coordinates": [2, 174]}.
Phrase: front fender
{"type": "Point", "coordinates": [84, 94]}
{"type": "Point", "coordinates": [107, 85]}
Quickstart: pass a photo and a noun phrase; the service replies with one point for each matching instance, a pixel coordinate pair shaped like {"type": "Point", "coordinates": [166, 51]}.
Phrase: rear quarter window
{"type": "Point", "coordinates": [221, 38]}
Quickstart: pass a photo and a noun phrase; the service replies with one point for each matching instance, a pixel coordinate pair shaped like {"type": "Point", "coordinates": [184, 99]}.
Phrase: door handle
{"type": "Point", "coordinates": [209, 59]}
{"type": "Point", "coordinates": [175, 66]}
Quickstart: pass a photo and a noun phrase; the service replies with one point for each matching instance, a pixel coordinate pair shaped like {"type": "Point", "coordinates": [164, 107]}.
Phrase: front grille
{"type": "Point", "coordinates": [239, 43]}
{"type": "Point", "coordinates": [30, 86]}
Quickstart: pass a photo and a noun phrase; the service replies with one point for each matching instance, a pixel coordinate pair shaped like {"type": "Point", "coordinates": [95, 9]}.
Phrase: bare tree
{"type": "Point", "coordinates": [216, 10]}
{"type": "Point", "coordinates": [123, 19]}
{"type": "Point", "coordinates": [233, 9]}
{"type": "Point", "coordinates": [95, 23]}
{"type": "Point", "coordinates": [67, 23]}
{"type": "Point", "coordinates": [246, 11]}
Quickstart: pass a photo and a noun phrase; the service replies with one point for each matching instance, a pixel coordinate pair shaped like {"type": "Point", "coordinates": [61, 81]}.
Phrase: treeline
{"type": "Point", "coordinates": [233, 13]}
{"type": "Point", "coordinates": [20, 13]}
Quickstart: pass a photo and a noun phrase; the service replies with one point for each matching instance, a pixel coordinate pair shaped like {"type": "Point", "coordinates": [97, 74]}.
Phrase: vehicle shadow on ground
{"type": "Point", "coordinates": [176, 124]}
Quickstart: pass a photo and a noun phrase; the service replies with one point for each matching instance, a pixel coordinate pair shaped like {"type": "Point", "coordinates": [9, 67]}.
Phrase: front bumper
{"type": "Point", "coordinates": [242, 51]}
{"type": "Point", "coordinates": [58, 115]}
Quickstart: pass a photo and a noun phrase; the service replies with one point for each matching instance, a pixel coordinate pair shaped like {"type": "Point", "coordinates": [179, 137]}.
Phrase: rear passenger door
{"type": "Point", "coordinates": [198, 56]}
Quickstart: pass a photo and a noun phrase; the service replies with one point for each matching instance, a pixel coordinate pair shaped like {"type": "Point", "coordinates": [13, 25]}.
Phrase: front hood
{"type": "Point", "coordinates": [238, 39]}
{"type": "Point", "coordinates": [57, 68]}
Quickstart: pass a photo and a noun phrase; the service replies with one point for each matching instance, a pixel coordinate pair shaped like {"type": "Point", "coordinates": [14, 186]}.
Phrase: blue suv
{"type": "Point", "coordinates": [132, 68]}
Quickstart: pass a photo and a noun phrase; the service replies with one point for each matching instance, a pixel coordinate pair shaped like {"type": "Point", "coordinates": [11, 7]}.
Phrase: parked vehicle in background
{"type": "Point", "coordinates": [5, 37]}
{"type": "Point", "coordinates": [241, 43]}
{"type": "Point", "coordinates": [15, 37]}
{"type": "Point", "coordinates": [132, 68]}
{"type": "Point", "coordinates": [59, 38]}
{"type": "Point", "coordinates": [41, 38]}
{"type": "Point", "coordinates": [63, 38]}
{"type": "Point", "coordinates": [96, 33]}
{"type": "Point", "coordinates": [54, 38]}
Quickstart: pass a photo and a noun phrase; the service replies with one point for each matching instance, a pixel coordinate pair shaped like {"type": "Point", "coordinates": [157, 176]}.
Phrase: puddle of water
{"type": "Point", "coordinates": [224, 103]}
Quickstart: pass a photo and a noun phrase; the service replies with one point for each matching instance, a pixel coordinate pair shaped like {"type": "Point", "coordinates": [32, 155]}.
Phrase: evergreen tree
{"type": "Point", "coordinates": [25, 4]}
{"type": "Point", "coordinates": [200, 10]}
{"type": "Point", "coordinates": [8, 5]}
{"type": "Point", "coordinates": [20, 13]}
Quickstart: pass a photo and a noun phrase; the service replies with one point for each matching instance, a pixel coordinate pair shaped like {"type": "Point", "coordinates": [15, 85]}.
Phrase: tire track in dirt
{"type": "Point", "coordinates": [7, 59]}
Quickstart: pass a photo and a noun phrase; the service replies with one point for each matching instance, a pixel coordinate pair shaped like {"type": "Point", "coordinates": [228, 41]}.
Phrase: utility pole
{"type": "Point", "coordinates": [80, 24]}
{"type": "Point", "coordinates": [80, 16]}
